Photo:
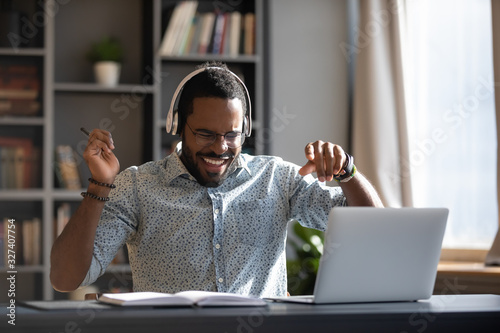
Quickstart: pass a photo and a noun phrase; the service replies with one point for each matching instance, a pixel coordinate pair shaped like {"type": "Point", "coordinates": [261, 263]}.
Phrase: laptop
{"type": "Point", "coordinates": [378, 255]}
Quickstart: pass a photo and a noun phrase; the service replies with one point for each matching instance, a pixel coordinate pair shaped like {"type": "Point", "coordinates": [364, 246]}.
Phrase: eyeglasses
{"type": "Point", "coordinates": [207, 138]}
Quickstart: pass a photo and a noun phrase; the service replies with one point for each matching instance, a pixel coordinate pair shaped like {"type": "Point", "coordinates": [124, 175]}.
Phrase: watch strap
{"type": "Point", "coordinates": [348, 171]}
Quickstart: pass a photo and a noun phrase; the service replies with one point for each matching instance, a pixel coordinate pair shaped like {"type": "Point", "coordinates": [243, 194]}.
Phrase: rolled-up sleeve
{"type": "Point", "coordinates": [117, 225]}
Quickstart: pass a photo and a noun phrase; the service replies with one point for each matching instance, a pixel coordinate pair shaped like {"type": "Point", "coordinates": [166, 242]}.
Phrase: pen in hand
{"type": "Point", "coordinates": [84, 131]}
{"type": "Point", "coordinates": [87, 134]}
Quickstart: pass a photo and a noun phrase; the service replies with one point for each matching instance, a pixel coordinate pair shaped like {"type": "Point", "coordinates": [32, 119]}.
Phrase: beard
{"type": "Point", "coordinates": [211, 179]}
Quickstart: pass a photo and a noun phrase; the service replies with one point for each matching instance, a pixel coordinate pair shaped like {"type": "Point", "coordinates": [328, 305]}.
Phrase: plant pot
{"type": "Point", "coordinates": [107, 73]}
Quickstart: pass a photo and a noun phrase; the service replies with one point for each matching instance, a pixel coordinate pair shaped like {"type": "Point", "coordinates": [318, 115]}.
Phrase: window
{"type": "Point", "coordinates": [447, 52]}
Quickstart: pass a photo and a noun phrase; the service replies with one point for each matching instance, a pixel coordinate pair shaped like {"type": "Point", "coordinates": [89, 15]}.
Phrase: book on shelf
{"type": "Point", "coordinates": [183, 298]}
{"type": "Point", "coordinates": [188, 41]}
{"type": "Point", "coordinates": [19, 90]}
{"type": "Point", "coordinates": [178, 27]}
{"type": "Point", "coordinates": [221, 33]}
{"type": "Point", "coordinates": [234, 34]}
{"type": "Point", "coordinates": [194, 35]}
{"type": "Point", "coordinates": [249, 45]}
{"type": "Point", "coordinates": [19, 163]}
{"type": "Point", "coordinates": [66, 168]}
{"type": "Point", "coordinates": [218, 34]}
{"type": "Point", "coordinates": [32, 247]}
{"type": "Point", "coordinates": [207, 28]}
{"type": "Point", "coordinates": [19, 107]}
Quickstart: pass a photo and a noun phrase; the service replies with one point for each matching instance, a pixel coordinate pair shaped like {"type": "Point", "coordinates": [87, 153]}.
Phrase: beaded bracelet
{"type": "Point", "coordinates": [93, 196]}
{"type": "Point", "coordinates": [93, 181]}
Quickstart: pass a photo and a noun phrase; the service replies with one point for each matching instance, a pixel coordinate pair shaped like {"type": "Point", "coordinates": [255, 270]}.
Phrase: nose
{"type": "Point", "coordinates": [220, 146]}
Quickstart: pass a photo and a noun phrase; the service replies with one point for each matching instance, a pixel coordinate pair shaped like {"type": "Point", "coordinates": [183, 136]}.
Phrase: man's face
{"type": "Point", "coordinates": [210, 164]}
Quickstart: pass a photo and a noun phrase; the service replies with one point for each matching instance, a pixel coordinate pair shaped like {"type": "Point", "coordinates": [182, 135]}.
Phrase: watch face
{"type": "Point", "coordinates": [346, 176]}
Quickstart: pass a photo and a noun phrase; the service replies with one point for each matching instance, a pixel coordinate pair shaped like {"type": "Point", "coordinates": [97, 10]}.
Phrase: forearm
{"type": "Point", "coordinates": [359, 192]}
{"type": "Point", "coordinates": [72, 251]}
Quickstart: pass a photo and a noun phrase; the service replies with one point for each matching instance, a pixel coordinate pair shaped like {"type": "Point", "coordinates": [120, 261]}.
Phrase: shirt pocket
{"type": "Point", "coordinates": [256, 222]}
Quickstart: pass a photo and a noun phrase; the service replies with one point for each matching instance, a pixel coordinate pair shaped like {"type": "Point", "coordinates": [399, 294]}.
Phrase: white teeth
{"type": "Point", "coordinates": [211, 161]}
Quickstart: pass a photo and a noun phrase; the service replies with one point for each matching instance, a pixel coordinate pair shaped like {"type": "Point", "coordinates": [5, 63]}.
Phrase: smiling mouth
{"type": "Point", "coordinates": [214, 162]}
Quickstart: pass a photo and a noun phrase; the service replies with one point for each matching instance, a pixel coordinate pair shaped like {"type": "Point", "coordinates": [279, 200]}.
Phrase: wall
{"type": "Point", "coordinates": [308, 75]}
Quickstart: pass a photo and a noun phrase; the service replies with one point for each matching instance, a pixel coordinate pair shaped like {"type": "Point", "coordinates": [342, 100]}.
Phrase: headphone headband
{"type": "Point", "coordinates": [173, 117]}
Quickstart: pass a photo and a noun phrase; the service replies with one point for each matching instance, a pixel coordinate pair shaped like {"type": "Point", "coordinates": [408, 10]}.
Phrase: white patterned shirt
{"type": "Point", "coordinates": [181, 235]}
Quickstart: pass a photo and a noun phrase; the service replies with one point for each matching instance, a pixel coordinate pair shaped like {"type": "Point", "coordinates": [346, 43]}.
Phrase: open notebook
{"type": "Point", "coordinates": [183, 298]}
{"type": "Point", "coordinates": [378, 255]}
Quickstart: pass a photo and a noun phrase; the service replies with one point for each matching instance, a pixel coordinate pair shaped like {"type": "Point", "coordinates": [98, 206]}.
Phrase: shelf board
{"type": "Point", "coordinates": [25, 121]}
{"type": "Point", "coordinates": [213, 57]}
{"type": "Point", "coordinates": [21, 194]}
{"type": "Point", "coordinates": [95, 88]}
{"type": "Point", "coordinates": [9, 51]}
{"type": "Point", "coordinates": [39, 194]}
{"type": "Point", "coordinates": [72, 195]}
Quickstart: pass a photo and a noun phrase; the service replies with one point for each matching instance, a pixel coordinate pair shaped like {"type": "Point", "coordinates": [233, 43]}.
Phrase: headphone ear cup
{"type": "Point", "coordinates": [175, 122]}
{"type": "Point", "coordinates": [245, 126]}
{"type": "Point", "coordinates": [170, 120]}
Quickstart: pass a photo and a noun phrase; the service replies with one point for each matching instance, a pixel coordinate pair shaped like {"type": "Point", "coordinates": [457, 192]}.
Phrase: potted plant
{"type": "Point", "coordinates": [107, 56]}
{"type": "Point", "coordinates": [306, 247]}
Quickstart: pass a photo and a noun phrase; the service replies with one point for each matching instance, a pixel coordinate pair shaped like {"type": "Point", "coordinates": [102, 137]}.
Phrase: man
{"type": "Point", "coordinates": [207, 217]}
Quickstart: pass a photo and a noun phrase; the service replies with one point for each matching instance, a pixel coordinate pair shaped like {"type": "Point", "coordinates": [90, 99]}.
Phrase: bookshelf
{"type": "Point", "coordinates": [134, 110]}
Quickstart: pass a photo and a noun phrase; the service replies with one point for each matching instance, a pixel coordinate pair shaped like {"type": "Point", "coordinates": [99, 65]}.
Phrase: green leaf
{"type": "Point", "coordinates": [107, 49]}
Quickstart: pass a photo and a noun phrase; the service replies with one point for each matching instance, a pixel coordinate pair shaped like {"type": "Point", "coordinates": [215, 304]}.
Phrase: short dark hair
{"type": "Point", "coordinates": [212, 82]}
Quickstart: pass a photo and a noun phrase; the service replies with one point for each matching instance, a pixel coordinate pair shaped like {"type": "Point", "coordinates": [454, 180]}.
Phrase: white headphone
{"type": "Point", "coordinates": [173, 115]}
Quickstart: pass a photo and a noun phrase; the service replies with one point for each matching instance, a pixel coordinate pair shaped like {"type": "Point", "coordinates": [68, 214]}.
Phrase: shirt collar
{"type": "Point", "coordinates": [177, 169]}
{"type": "Point", "coordinates": [241, 163]}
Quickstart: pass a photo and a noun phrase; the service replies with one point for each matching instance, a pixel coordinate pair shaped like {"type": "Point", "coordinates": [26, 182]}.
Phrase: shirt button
{"type": "Point", "coordinates": [216, 211]}
{"type": "Point", "coordinates": [221, 280]}
{"type": "Point", "coordinates": [217, 246]}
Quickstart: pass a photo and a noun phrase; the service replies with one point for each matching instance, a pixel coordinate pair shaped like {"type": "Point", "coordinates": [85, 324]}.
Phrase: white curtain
{"type": "Point", "coordinates": [493, 256]}
{"type": "Point", "coordinates": [380, 137]}
{"type": "Point", "coordinates": [380, 142]}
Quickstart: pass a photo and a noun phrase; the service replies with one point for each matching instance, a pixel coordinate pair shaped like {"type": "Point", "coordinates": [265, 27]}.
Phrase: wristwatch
{"type": "Point", "coordinates": [348, 171]}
